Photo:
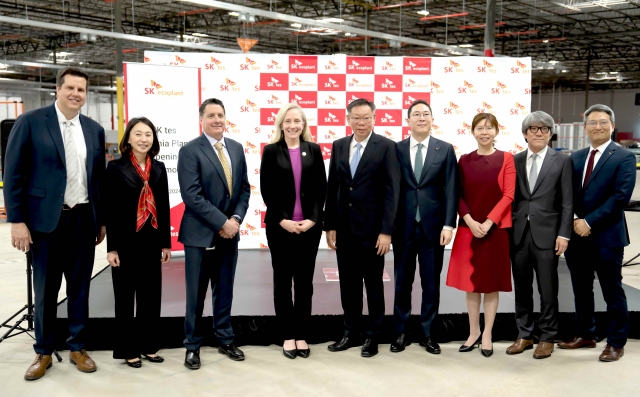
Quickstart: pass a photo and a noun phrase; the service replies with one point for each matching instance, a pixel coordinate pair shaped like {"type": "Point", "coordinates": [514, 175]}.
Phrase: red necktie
{"type": "Point", "coordinates": [589, 168]}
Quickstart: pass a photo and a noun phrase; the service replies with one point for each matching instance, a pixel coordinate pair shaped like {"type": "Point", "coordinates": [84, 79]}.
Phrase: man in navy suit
{"type": "Point", "coordinates": [212, 172]}
{"type": "Point", "coordinates": [425, 222]}
{"type": "Point", "coordinates": [604, 176]}
{"type": "Point", "coordinates": [362, 201]}
{"type": "Point", "coordinates": [54, 164]}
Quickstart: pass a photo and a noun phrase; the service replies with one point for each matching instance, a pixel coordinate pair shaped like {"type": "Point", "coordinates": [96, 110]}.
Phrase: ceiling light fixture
{"type": "Point", "coordinates": [296, 25]}
{"type": "Point", "coordinates": [553, 62]}
{"type": "Point", "coordinates": [564, 70]}
{"type": "Point", "coordinates": [332, 20]}
{"type": "Point", "coordinates": [234, 14]}
{"type": "Point", "coordinates": [466, 45]}
{"type": "Point", "coordinates": [423, 12]}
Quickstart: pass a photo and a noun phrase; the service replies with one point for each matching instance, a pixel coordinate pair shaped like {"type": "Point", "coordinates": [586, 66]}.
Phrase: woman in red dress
{"type": "Point", "coordinates": [480, 261]}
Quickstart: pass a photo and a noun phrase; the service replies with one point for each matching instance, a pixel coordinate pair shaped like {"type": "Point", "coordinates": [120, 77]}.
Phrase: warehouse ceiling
{"type": "Point", "coordinates": [604, 33]}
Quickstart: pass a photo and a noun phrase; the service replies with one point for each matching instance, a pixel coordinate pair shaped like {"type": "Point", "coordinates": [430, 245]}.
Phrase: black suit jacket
{"type": "Point", "coordinates": [435, 195]}
{"type": "Point", "coordinates": [277, 185]}
{"type": "Point", "coordinates": [365, 205]}
{"type": "Point", "coordinates": [550, 205]}
{"type": "Point", "coordinates": [601, 203]}
{"type": "Point", "coordinates": [203, 186]}
{"type": "Point", "coordinates": [35, 176]}
{"type": "Point", "coordinates": [122, 192]}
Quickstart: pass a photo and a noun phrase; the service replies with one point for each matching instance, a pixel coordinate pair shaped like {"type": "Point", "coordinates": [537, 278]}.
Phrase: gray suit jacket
{"type": "Point", "coordinates": [550, 205]}
{"type": "Point", "coordinates": [204, 190]}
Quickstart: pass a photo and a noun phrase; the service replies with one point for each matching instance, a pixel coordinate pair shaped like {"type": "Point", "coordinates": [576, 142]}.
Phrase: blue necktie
{"type": "Point", "coordinates": [417, 171]}
{"type": "Point", "coordinates": [355, 160]}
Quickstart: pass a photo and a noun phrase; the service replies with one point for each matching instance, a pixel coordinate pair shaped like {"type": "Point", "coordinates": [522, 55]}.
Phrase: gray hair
{"type": "Point", "coordinates": [538, 117]}
{"type": "Point", "coordinates": [599, 108]}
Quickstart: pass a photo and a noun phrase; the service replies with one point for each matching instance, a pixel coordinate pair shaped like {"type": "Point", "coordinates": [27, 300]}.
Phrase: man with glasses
{"type": "Point", "coordinates": [425, 222]}
{"type": "Point", "coordinates": [604, 176]}
{"type": "Point", "coordinates": [362, 200]}
{"type": "Point", "coordinates": [542, 225]}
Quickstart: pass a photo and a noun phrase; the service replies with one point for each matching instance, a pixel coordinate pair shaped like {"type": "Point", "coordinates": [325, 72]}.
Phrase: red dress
{"type": "Point", "coordinates": [488, 185]}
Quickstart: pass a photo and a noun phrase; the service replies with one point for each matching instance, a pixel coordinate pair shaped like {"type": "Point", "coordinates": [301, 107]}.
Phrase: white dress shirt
{"type": "Point", "coordinates": [600, 150]}
{"type": "Point", "coordinates": [352, 146]}
{"type": "Point", "coordinates": [213, 141]}
{"type": "Point", "coordinates": [81, 147]}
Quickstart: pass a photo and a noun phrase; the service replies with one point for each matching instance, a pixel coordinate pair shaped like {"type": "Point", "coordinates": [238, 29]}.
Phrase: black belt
{"type": "Point", "coordinates": [77, 206]}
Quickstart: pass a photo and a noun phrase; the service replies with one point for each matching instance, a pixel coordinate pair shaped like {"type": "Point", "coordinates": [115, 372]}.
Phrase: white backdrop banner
{"type": "Point", "coordinates": [253, 87]}
{"type": "Point", "coordinates": [170, 98]}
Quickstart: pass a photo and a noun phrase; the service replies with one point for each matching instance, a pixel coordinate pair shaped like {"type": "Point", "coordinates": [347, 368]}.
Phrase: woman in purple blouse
{"type": "Point", "coordinates": [294, 185]}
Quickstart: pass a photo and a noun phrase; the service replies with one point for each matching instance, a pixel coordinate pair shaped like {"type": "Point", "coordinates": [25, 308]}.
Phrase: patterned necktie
{"type": "Point", "coordinates": [533, 174]}
{"type": "Point", "coordinates": [225, 166]}
{"type": "Point", "coordinates": [72, 191]}
{"type": "Point", "coordinates": [417, 171]}
{"type": "Point", "coordinates": [355, 160]}
{"type": "Point", "coordinates": [589, 168]}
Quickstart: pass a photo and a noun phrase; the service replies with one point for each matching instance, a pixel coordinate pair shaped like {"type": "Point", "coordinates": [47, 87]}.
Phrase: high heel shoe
{"type": "Point", "coordinates": [485, 352]}
{"type": "Point", "coordinates": [465, 348]}
{"type": "Point", "coordinates": [156, 359]}
{"type": "Point", "coordinates": [304, 353]}
{"type": "Point", "coordinates": [290, 353]}
{"type": "Point", "coordinates": [134, 364]}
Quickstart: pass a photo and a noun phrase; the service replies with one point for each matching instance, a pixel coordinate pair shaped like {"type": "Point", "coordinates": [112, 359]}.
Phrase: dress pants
{"type": "Point", "coordinates": [217, 266]}
{"type": "Point", "coordinates": [355, 263]}
{"type": "Point", "coordinates": [293, 257]}
{"type": "Point", "coordinates": [527, 258]}
{"type": "Point", "coordinates": [430, 256]}
{"type": "Point", "coordinates": [68, 250]}
{"type": "Point", "coordinates": [585, 257]}
{"type": "Point", "coordinates": [138, 282]}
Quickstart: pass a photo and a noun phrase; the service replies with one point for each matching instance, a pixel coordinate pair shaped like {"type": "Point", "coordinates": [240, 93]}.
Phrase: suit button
{"type": "Point", "coordinates": [350, 204]}
{"type": "Point", "coordinates": [417, 190]}
{"type": "Point", "coordinates": [301, 194]}
{"type": "Point", "coordinates": [350, 188]}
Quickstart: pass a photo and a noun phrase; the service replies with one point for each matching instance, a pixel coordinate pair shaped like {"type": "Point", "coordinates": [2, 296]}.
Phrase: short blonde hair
{"type": "Point", "coordinates": [278, 136]}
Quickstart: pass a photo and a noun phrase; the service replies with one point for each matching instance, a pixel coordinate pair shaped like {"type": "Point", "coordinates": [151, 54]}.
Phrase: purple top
{"type": "Point", "coordinates": [296, 164]}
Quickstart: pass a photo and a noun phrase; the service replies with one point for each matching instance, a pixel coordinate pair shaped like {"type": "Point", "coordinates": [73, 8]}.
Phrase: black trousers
{"type": "Point", "coordinates": [137, 283]}
{"type": "Point", "coordinates": [68, 250]}
{"type": "Point", "coordinates": [585, 258]}
{"type": "Point", "coordinates": [430, 256]}
{"type": "Point", "coordinates": [218, 267]}
{"type": "Point", "coordinates": [355, 264]}
{"type": "Point", "coordinates": [293, 257]}
{"type": "Point", "coordinates": [527, 258]}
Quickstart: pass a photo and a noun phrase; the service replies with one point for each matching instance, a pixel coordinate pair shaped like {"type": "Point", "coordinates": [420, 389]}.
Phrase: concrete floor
{"type": "Point", "coordinates": [267, 373]}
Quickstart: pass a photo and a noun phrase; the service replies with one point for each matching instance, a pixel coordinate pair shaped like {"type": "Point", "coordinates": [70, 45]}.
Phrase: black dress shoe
{"type": "Point", "coordinates": [431, 345]}
{"type": "Point", "coordinates": [465, 348]}
{"type": "Point", "coordinates": [399, 344]}
{"type": "Point", "coordinates": [369, 348]}
{"type": "Point", "coordinates": [485, 352]}
{"type": "Point", "coordinates": [231, 351]}
{"type": "Point", "coordinates": [342, 345]}
{"type": "Point", "coordinates": [153, 359]}
{"type": "Point", "coordinates": [192, 359]}
{"type": "Point", "coordinates": [134, 364]}
{"type": "Point", "coordinates": [290, 353]}
{"type": "Point", "coordinates": [304, 353]}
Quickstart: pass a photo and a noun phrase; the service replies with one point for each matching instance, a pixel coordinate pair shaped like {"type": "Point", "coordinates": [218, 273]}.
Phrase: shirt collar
{"type": "Point", "coordinates": [213, 140]}
{"type": "Point", "coordinates": [540, 154]}
{"type": "Point", "coordinates": [600, 148]}
{"type": "Point", "coordinates": [363, 143]}
{"type": "Point", "coordinates": [413, 142]}
{"type": "Point", "coordinates": [62, 118]}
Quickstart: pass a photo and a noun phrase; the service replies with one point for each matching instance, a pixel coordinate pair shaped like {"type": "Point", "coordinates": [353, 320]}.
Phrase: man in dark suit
{"type": "Point", "coordinates": [362, 201]}
{"type": "Point", "coordinates": [54, 165]}
{"type": "Point", "coordinates": [425, 222]}
{"type": "Point", "coordinates": [542, 225]}
{"type": "Point", "coordinates": [212, 172]}
{"type": "Point", "coordinates": [604, 176]}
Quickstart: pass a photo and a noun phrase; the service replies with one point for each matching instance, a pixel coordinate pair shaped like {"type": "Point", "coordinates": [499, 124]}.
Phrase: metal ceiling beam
{"type": "Point", "coordinates": [52, 66]}
{"type": "Point", "coordinates": [114, 35]}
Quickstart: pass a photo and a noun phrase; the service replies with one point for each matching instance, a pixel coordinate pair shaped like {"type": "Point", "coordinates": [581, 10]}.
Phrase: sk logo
{"type": "Point", "coordinates": [451, 108]}
{"type": "Point", "coordinates": [520, 67]}
{"type": "Point", "coordinates": [274, 65]}
{"type": "Point", "coordinates": [215, 61]}
{"type": "Point", "coordinates": [151, 91]}
{"type": "Point", "coordinates": [156, 85]}
{"type": "Point", "coordinates": [388, 134]}
{"type": "Point", "coordinates": [231, 83]}
{"type": "Point", "coordinates": [147, 60]}
{"type": "Point", "coordinates": [178, 61]}
{"type": "Point", "coordinates": [388, 66]}
{"type": "Point", "coordinates": [453, 65]}
{"type": "Point", "coordinates": [500, 86]}
{"type": "Point", "coordinates": [273, 101]}
{"type": "Point", "coordinates": [435, 88]}
{"type": "Point", "coordinates": [331, 66]}
{"type": "Point", "coordinates": [388, 101]}
{"type": "Point", "coordinates": [248, 107]}
{"type": "Point", "coordinates": [466, 86]}
{"type": "Point", "coordinates": [519, 110]}
{"type": "Point", "coordinates": [486, 67]}
{"type": "Point", "coordinates": [250, 62]}
{"type": "Point", "coordinates": [409, 100]}
{"type": "Point", "coordinates": [250, 148]}
{"type": "Point", "coordinates": [214, 65]}
{"type": "Point", "coordinates": [231, 128]}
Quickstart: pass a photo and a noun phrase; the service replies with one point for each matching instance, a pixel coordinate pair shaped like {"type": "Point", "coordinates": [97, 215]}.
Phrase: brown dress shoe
{"type": "Point", "coordinates": [520, 345]}
{"type": "Point", "coordinates": [39, 367]}
{"type": "Point", "coordinates": [82, 360]}
{"type": "Point", "coordinates": [611, 353]}
{"type": "Point", "coordinates": [577, 342]}
{"type": "Point", "coordinates": [543, 350]}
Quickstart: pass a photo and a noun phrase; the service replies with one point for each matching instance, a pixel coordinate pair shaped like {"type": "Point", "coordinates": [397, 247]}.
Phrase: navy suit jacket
{"type": "Point", "coordinates": [601, 203]}
{"type": "Point", "coordinates": [435, 195]}
{"type": "Point", "coordinates": [366, 204]}
{"type": "Point", "coordinates": [205, 193]}
{"type": "Point", "coordinates": [35, 170]}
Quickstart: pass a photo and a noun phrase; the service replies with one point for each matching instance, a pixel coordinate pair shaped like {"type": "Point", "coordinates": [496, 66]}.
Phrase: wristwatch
{"type": "Point", "coordinates": [237, 218]}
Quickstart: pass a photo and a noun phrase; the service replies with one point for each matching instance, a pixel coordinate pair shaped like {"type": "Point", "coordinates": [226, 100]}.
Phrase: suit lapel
{"type": "Point", "coordinates": [521, 169]}
{"type": "Point", "coordinates": [547, 163]}
{"type": "Point", "coordinates": [371, 146]}
{"type": "Point", "coordinates": [54, 129]}
{"type": "Point", "coordinates": [206, 147]}
{"type": "Point", "coordinates": [305, 155]}
{"type": "Point", "coordinates": [579, 161]}
{"type": "Point", "coordinates": [606, 155]}
{"type": "Point", "coordinates": [432, 152]}
{"type": "Point", "coordinates": [88, 141]}
{"type": "Point", "coordinates": [404, 148]}
{"type": "Point", "coordinates": [129, 171]}
{"type": "Point", "coordinates": [234, 158]}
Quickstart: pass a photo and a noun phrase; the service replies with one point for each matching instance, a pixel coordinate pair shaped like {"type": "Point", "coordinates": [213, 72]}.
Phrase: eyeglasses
{"type": "Point", "coordinates": [593, 123]}
{"type": "Point", "coordinates": [483, 129]}
{"type": "Point", "coordinates": [535, 130]}
{"type": "Point", "coordinates": [420, 115]}
{"type": "Point", "coordinates": [359, 119]}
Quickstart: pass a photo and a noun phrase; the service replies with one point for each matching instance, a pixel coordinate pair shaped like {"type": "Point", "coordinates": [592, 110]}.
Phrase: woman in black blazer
{"type": "Point", "coordinates": [138, 240]}
{"type": "Point", "coordinates": [293, 183]}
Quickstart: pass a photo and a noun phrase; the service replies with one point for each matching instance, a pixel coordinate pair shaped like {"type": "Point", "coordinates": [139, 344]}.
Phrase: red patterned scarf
{"type": "Point", "coordinates": [146, 203]}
